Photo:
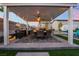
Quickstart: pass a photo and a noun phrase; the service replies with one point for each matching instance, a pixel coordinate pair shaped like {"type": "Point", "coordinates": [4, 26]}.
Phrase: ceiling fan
{"type": "Point", "coordinates": [39, 16]}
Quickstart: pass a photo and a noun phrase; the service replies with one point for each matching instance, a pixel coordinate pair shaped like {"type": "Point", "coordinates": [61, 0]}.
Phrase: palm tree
{"type": "Point", "coordinates": [1, 8]}
{"type": "Point", "coordinates": [59, 26]}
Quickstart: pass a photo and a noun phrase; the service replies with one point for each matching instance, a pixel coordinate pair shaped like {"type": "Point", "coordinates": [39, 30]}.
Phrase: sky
{"type": "Point", "coordinates": [64, 16]}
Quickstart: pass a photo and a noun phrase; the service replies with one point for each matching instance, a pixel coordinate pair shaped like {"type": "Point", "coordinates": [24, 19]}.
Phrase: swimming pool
{"type": "Point", "coordinates": [76, 33]}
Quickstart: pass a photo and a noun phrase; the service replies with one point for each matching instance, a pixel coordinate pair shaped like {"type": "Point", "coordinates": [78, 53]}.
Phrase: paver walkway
{"type": "Point", "coordinates": [32, 54]}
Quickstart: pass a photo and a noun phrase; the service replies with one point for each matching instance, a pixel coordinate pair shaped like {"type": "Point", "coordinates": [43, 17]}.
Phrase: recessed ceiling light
{"type": "Point", "coordinates": [38, 12]}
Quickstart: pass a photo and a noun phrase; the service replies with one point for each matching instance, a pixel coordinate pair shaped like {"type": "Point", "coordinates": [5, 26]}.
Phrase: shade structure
{"type": "Point", "coordinates": [46, 12]}
{"type": "Point", "coordinates": [27, 11]}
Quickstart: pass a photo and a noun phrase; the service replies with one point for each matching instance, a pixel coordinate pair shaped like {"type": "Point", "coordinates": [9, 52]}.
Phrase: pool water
{"type": "Point", "coordinates": [76, 33]}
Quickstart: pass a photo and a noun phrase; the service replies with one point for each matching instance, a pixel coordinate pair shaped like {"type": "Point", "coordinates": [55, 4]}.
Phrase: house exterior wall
{"type": "Point", "coordinates": [55, 24]}
{"type": "Point", "coordinates": [11, 26]}
{"type": "Point", "coordinates": [1, 27]}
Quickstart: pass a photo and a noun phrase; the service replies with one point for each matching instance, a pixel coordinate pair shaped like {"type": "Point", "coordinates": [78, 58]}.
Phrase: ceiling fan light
{"type": "Point", "coordinates": [38, 18]}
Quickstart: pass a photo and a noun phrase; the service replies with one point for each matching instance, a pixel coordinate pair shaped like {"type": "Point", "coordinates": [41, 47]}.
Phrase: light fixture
{"type": "Point", "coordinates": [38, 12]}
{"type": "Point", "coordinates": [18, 25]}
{"type": "Point", "coordinates": [38, 19]}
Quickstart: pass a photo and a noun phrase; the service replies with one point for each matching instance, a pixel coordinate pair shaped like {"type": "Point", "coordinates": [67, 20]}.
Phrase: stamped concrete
{"type": "Point", "coordinates": [32, 54]}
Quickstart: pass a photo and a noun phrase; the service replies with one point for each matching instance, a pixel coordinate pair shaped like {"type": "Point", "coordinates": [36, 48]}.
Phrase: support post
{"type": "Point", "coordinates": [6, 26]}
{"type": "Point", "coordinates": [27, 27]}
{"type": "Point", "coordinates": [70, 26]}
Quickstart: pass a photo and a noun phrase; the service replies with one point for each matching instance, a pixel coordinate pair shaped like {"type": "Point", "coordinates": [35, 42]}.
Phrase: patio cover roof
{"type": "Point", "coordinates": [47, 11]}
{"type": "Point", "coordinates": [14, 18]}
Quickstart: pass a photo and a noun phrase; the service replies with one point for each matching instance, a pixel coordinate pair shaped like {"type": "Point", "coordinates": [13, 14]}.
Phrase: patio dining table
{"type": "Point", "coordinates": [42, 34]}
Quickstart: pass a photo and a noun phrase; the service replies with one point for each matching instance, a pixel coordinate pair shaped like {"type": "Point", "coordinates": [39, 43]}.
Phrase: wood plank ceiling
{"type": "Point", "coordinates": [29, 12]}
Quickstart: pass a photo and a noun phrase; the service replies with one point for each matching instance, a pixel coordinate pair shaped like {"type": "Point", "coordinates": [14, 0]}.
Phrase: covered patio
{"type": "Point", "coordinates": [34, 13]}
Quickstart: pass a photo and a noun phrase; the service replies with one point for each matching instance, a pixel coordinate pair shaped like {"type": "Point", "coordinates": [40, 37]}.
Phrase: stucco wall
{"type": "Point", "coordinates": [11, 26]}
{"type": "Point", "coordinates": [55, 24]}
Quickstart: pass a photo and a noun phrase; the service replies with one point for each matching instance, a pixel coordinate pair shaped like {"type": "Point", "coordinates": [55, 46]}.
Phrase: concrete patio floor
{"type": "Point", "coordinates": [37, 46]}
{"type": "Point", "coordinates": [30, 39]}
{"type": "Point", "coordinates": [60, 44]}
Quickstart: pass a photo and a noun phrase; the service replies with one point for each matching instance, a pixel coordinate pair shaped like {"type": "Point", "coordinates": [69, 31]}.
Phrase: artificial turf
{"type": "Point", "coordinates": [7, 53]}
{"type": "Point", "coordinates": [64, 52]}
{"type": "Point", "coordinates": [57, 52]}
{"type": "Point", "coordinates": [66, 38]}
{"type": "Point", "coordinates": [63, 37]}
